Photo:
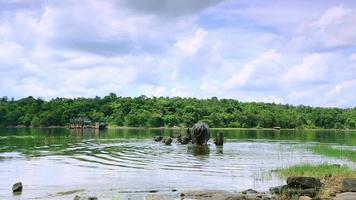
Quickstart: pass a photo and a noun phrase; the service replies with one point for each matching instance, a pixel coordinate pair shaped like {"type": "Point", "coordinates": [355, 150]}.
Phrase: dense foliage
{"type": "Point", "coordinates": [163, 111]}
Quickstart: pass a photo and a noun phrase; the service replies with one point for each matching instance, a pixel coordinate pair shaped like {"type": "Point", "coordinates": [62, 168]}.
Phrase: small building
{"type": "Point", "coordinates": [84, 123]}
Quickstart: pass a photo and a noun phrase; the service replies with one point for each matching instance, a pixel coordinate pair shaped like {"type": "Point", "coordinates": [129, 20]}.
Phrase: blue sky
{"type": "Point", "coordinates": [296, 52]}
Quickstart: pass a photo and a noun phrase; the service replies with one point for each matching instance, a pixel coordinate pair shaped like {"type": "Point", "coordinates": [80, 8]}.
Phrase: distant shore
{"type": "Point", "coordinates": [182, 128]}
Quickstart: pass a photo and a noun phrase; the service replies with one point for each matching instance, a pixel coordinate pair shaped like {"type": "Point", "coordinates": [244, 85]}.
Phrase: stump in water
{"type": "Point", "coordinates": [219, 140]}
{"type": "Point", "coordinates": [200, 134]}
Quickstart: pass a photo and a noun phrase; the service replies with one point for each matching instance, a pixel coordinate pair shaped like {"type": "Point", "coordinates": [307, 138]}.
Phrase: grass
{"type": "Point", "coordinates": [319, 171]}
{"type": "Point", "coordinates": [327, 150]}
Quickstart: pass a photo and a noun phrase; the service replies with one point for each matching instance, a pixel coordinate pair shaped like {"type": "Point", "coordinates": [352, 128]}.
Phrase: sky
{"type": "Point", "coordinates": [282, 51]}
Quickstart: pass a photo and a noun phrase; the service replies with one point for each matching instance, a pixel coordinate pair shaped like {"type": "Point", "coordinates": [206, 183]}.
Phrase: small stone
{"type": "Point", "coordinates": [17, 187]}
{"type": "Point", "coordinates": [77, 197]}
{"type": "Point", "coordinates": [174, 190]}
{"type": "Point", "coordinates": [92, 198]}
{"type": "Point", "coordinates": [304, 198]}
{"type": "Point", "coordinates": [181, 194]}
{"type": "Point", "coordinates": [349, 185]}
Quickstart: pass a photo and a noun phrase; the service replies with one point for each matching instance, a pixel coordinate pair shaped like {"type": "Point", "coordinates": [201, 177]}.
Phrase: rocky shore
{"type": "Point", "coordinates": [296, 188]}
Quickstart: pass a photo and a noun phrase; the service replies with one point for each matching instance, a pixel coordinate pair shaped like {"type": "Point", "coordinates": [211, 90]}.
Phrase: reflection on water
{"type": "Point", "coordinates": [127, 163]}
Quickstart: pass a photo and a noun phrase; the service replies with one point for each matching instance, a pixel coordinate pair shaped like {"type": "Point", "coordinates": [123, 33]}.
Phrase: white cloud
{"type": "Point", "coordinates": [191, 44]}
{"type": "Point", "coordinates": [227, 49]}
{"type": "Point", "coordinates": [353, 57]}
{"type": "Point", "coordinates": [259, 70]}
{"type": "Point", "coordinates": [333, 15]}
{"type": "Point", "coordinates": [313, 68]}
{"type": "Point", "coordinates": [334, 29]}
{"type": "Point", "coordinates": [9, 51]}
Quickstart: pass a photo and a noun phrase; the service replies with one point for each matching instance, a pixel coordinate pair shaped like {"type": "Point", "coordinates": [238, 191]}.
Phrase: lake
{"type": "Point", "coordinates": [127, 163]}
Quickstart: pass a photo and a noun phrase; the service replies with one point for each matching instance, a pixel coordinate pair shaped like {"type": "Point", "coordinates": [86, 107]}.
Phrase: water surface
{"type": "Point", "coordinates": [126, 163]}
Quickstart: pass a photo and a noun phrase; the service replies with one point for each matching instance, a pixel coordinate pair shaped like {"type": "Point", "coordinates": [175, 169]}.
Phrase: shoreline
{"type": "Point", "coordinates": [181, 128]}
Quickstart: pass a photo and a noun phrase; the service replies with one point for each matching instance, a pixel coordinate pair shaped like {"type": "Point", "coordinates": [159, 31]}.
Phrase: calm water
{"type": "Point", "coordinates": [126, 163]}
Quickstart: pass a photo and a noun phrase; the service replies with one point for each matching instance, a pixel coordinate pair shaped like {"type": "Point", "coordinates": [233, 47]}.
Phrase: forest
{"type": "Point", "coordinates": [146, 111]}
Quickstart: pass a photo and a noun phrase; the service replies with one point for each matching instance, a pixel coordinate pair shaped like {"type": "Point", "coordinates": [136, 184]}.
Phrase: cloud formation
{"type": "Point", "coordinates": [298, 52]}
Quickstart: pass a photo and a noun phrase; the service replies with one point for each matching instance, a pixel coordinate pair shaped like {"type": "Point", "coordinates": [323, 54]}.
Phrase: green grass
{"type": "Point", "coordinates": [316, 170]}
{"type": "Point", "coordinates": [327, 150]}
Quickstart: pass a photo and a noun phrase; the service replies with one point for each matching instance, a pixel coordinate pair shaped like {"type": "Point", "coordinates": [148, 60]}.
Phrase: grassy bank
{"type": "Point", "coordinates": [330, 175]}
{"type": "Point", "coordinates": [320, 170]}
{"type": "Point", "coordinates": [327, 150]}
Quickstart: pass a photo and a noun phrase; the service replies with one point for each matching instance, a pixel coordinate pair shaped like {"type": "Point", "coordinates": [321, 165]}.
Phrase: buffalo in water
{"type": "Point", "coordinates": [199, 133]}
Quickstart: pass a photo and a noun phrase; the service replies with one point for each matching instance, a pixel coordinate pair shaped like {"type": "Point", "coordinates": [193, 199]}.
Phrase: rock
{"type": "Point", "coordinates": [249, 191]}
{"type": "Point", "coordinates": [303, 182]}
{"type": "Point", "coordinates": [310, 192]}
{"type": "Point", "coordinates": [200, 134]}
{"type": "Point", "coordinates": [17, 187]}
{"type": "Point", "coordinates": [349, 185]}
{"type": "Point", "coordinates": [346, 196]}
{"type": "Point", "coordinates": [304, 198]}
{"type": "Point", "coordinates": [292, 191]}
{"type": "Point", "coordinates": [77, 197]}
{"type": "Point", "coordinates": [167, 141]}
{"type": "Point", "coordinates": [184, 140]}
{"type": "Point", "coordinates": [279, 189]}
{"type": "Point", "coordinates": [157, 138]}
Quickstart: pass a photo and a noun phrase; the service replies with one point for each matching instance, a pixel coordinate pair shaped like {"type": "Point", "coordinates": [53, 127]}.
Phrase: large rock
{"type": "Point", "coordinates": [184, 140]}
{"type": "Point", "coordinates": [292, 191]}
{"type": "Point", "coordinates": [349, 185]}
{"type": "Point", "coordinates": [310, 192]}
{"type": "Point", "coordinates": [200, 133]}
{"type": "Point", "coordinates": [157, 138]}
{"type": "Point", "coordinates": [303, 182]}
{"type": "Point", "coordinates": [167, 141]}
{"type": "Point", "coordinates": [279, 189]}
{"type": "Point", "coordinates": [346, 196]}
{"type": "Point", "coordinates": [17, 187]}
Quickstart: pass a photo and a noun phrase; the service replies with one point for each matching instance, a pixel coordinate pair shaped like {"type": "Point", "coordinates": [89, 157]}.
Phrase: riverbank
{"type": "Point", "coordinates": [183, 128]}
{"type": "Point", "coordinates": [332, 177]}
{"type": "Point", "coordinates": [303, 182]}
{"type": "Point", "coordinates": [255, 129]}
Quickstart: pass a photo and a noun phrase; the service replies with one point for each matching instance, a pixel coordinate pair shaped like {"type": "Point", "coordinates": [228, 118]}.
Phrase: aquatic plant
{"type": "Point", "coordinates": [328, 150]}
{"type": "Point", "coordinates": [316, 170]}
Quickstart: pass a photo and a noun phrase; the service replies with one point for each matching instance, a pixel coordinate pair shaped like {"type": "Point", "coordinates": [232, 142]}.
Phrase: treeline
{"type": "Point", "coordinates": [169, 112]}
